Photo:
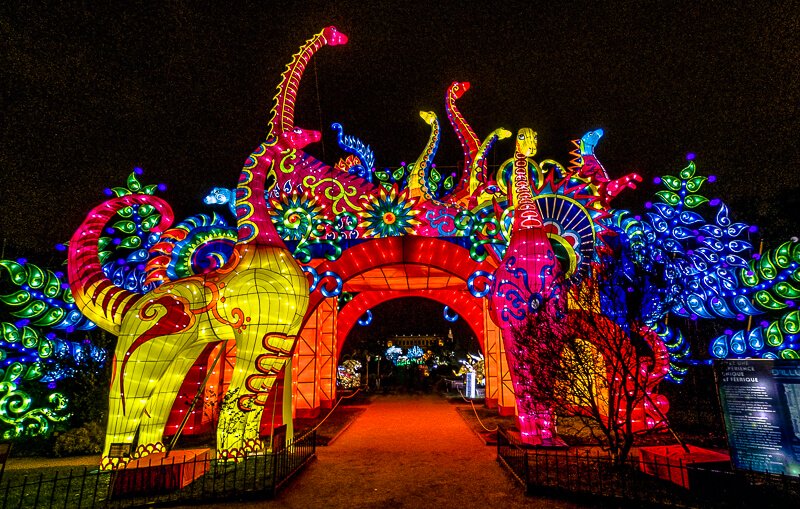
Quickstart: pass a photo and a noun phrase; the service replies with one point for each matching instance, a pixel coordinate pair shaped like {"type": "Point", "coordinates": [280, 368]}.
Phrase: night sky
{"type": "Point", "coordinates": [184, 91]}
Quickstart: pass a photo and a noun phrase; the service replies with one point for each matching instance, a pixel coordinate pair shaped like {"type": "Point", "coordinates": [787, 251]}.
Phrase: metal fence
{"type": "Point", "coordinates": [584, 475]}
{"type": "Point", "coordinates": [256, 476]}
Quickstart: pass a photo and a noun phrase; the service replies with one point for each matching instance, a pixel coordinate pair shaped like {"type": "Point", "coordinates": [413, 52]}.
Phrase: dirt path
{"type": "Point", "coordinates": [402, 452]}
{"type": "Point", "coordinates": [406, 452]}
{"type": "Point", "coordinates": [61, 464]}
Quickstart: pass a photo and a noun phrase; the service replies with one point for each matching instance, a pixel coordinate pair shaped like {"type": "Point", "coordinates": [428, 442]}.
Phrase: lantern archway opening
{"type": "Point", "coordinates": [412, 333]}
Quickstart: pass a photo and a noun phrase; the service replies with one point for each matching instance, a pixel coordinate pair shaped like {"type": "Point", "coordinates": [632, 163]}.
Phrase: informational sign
{"type": "Point", "coordinates": [761, 405]}
{"type": "Point", "coordinates": [470, 383]}
{"type": "Point", "coordinates": [119, 450]}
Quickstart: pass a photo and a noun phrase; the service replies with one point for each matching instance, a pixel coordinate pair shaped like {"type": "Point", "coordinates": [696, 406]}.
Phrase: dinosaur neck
{"type": "Point", "coordinates": [417, 184]}
{"type": "Point", "coordinates": [529, 247]}
{"type": "Point", "coordinates": [591, 168]}
{"type": "Point", "coordinates": [526, 212]}
{"type": "Point", "coordinates": [477, 174]}
{"type": "Point", "coordinates": [254, 223]}
{"type": "Point", "coordinates": [283, 112]}
{"type": "Point", "coordinates": [469, 141]}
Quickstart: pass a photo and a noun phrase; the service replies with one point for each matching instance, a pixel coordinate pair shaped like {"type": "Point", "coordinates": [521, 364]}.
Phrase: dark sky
{"type": "Point", "coordinates": [184, 90]}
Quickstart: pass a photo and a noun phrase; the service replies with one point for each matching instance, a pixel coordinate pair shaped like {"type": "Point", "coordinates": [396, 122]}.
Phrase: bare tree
{"type": "Point", "coordinates": [585, 357]}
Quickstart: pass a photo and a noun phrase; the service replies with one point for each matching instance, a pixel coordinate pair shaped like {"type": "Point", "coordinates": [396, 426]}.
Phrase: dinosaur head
{"type": "Point", "coordinates": [298, 137]}
{"type": "Point", "coordinates": [502, 134]}
{"type": "Point", "coordinates": [457, 88]}
{"type": "Point", "coordinates": [527, 139]}
{"type": "Point", "coordinates": [589, 141]}
{"type": "Point", "coordinates": [217, 196]}
{"type": "Point", "coordinates": [428, 116]}
{"type": "Point", "coordinates": [333, 36]}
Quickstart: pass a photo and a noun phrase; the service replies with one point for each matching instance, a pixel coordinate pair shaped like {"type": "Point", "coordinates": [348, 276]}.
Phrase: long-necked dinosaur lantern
{"type": "Point", "coordinates": [494, 240]}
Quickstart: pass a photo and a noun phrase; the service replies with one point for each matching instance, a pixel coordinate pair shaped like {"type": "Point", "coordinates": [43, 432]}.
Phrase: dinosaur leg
{"type": "Point", "coordinates": [120, 428]}
{"type": "Point", "coordinates": [135, 381]}
{"type": "Point", "coordinates": [269, 292]}
{"type": "Point", "coordinates": [254, 377]}
{"type": "Point", "coordinates": [161, 401]}
{"type": "Point", "coordinates": [536, 422]}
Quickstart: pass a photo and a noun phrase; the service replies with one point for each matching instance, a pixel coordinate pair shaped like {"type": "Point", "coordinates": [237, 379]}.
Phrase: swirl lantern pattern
{"type": "Point", "coordinates": [34, 349]}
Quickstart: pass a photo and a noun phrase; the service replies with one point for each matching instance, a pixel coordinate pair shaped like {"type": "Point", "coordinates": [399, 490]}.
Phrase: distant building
{"type": "Point", "coordinates": [421, 341]}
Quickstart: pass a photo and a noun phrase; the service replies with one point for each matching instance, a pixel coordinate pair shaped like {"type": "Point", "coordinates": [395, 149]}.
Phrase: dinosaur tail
{"type": "Point", "coordinates": [96, 296]}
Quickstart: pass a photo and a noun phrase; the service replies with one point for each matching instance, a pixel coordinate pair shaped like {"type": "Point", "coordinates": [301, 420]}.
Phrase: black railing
{"type": "Point", "coordinates": [198, 480]}
{"type": "Point", "coordinates": [591, 475]}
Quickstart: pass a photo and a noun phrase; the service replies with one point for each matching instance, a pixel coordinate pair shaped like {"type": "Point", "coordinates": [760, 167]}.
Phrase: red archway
{"type": "Point", "coordinates": [448, 257]}
{"type": "Point", "coordinates": [379, 270]}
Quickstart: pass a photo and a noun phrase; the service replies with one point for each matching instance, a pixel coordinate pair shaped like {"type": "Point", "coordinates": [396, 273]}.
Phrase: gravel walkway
{"type": "Point", "coordinates": [406, 452]}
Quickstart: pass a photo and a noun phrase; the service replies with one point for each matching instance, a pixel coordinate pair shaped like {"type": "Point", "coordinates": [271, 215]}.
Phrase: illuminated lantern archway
{"type": "Point", "coordinates": [380, 270]}
{"type": "Point", "coordinates": [306, 231]}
